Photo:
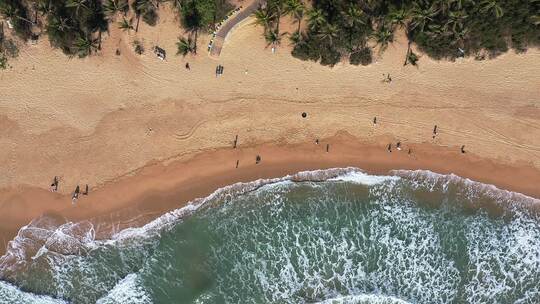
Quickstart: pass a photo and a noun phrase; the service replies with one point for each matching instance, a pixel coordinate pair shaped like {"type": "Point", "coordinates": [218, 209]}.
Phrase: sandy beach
{"type": "Point", "coordinates": [149, 135]}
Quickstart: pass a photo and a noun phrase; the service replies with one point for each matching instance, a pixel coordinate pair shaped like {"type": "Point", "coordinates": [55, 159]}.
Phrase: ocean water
{"type": "Point", "coordinates": [333, 236]}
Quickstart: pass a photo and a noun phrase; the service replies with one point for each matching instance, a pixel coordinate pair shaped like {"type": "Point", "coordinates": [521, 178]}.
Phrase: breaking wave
{"type": "Point", "coordinates": [326, 236]}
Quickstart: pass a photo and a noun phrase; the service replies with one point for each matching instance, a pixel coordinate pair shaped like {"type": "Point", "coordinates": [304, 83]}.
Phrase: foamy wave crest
{"type": "Point", "coordinates": [53, 234]}
{"type": "Point", "coordinates": [228, 192]}
{"type": "Point", "coordinates": [128, 290]}
{"type": "Point", "coordinates": [292, 239]}
{"type": "Point", "coordinates": [12, 294]}
{"type": "Point", "coordinates": [468, 188]}
{"type": "Point", "coordinates": [46, 234]}
{"type": "Point", "coordinates": [360, 177]}
{"type": "Point", "coordinates": [365, 299]}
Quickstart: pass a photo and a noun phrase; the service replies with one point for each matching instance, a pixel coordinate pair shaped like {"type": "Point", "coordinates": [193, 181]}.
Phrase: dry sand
{"type": "Point", "coordinates": [101, 119]}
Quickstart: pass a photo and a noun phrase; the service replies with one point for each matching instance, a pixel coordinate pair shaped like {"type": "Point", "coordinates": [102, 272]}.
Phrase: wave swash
{"type": "Point", "coordinates": [327, 236]}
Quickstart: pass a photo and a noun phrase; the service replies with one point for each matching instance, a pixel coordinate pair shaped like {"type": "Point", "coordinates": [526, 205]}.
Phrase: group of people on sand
{"type": "Point", "coordinates": [398, 144]}
{"type": "Point", "coordinates": [219, 70]}
{"type": "Point", "coordinates": [76, 193]}
{"type": "Point", "coordinates": [389, 147]}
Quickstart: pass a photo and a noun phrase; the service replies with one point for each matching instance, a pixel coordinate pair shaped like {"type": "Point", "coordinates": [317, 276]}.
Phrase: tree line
{"type": "Point", "coordinates": [76, 26]}
{"type": "Point", "coordinates": [327, 31]}
{"type": "Point", "coordinates": [443, 29]}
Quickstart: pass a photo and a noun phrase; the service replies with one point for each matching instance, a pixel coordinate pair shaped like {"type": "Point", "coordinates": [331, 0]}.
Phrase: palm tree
{"type": "Point", "coordinates": [273, 38]}
{"type": "Point", "coordinates": [461, 36]}
{"type": "Point", "coordinates": [328, 32]}
{"type": "Point", "coordinates": [461, 3]}
{"type": "Point", "coordinates": [436, 30]}
{"type": "Point", "coordinates": [295, 38]}
{"type": "Point", "coordinates": [456, 20]}
{"type": "Point", "coordinates": [316, 18]}
{"type": "Point", "coordinates": [141, 7]}
{"type": "Point", "coordinates": [112, 7]}
{"type": "Point", "coordinates": [58, 24]}
{"type": "Point", "coordinates": [177, 3]}
{"type": "Point", "coordinates": [492, 5]}
{"type": "Point", "coordinates": [264, 18]}
{"type": "Point", "coordinates": [144, 6]}
{"type": "Point", "coordinates": [3, 61]}
{"type": "Point", "coordinates": [13, 12]}
{"type": "Point", "coordinates": [535, 19]}
{"type": "Point", "coordinates": [126, 25]}
{"type": "Point", "coordinates": [398, 17]}
{"type": "Point", "coordinates": [192, 21]}
{"type": "Point", "coordinates": [383, 36]}
{"type": "Point", "coordinates": [85, 46]}
{"type": "Point", "coordinates": [185, 46]}
{"type": "Point", "coordinates": [353, 16]}
{"type": "Point", "coordinates": [277, 7]}
{"type": "Point", "coordinates": [372, 6]}
{"type": "Point", "coordinates": [78, 5]}
{"type": "Point", "coordinates": [44, 7]}
{"type": "Point", "coordinates": [296, 9]}
{"type": "Point", "coordinates": [412, 58]}
{"type": "Point", "coordinates": [421, 16]}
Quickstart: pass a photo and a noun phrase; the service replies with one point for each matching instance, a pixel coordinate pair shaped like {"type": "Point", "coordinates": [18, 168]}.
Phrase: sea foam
{"type": "Point", "coordinates": [128, 290]}
{"type": "Point", "coordinates": [12, 294]}
{"type": "Point", "coordinates": [44, 238]}
{"type": "Point", "coordinates": [364, 299]}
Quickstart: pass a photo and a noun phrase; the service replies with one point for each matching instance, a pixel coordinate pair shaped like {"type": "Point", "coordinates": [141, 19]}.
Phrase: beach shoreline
{"type": "Point", "coordinates": [148, 135]}
{"type": "Point", "coordinates": [134, 200]}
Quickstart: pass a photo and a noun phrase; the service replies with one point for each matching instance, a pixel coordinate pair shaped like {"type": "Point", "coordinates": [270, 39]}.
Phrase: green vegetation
{"type": "Point", "coordinates": [199, 15]}
{"type": "Point", "coordinates": [8, 49]}
{"type": "Point", "coordinates": [138, 47]}
{"type": "Point", "coordinates": [185, 46]}
{"type": "Point", "coordinates": [126, 25]}
{"type": "Point", "coordinates": [147, 10]}
{"type": "Point", "coordinates": [3, 61]}
{"type": "Point", "coordinates": [443, 29]}
{"type": "Point", "coordinates": [18, 14]}
{"type": "Point", "coordinates": [327, 31]}
{"type": "Point", "coordinates": [76, 26]}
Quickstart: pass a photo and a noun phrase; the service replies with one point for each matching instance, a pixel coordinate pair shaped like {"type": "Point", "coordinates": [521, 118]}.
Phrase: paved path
{"type": "Point", "coordinates": [230, 24]}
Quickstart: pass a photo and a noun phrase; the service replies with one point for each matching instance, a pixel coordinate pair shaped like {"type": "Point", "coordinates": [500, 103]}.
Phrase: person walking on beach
{"type": "Point", "coordinates": [85, 190]}
{"type": "Point", "coordinates": [327, 148]}
{"type": "Point", "coordinates": [398, 146]}
{"type": "Point", "coordinates": [389, 148]}
{"type": "Point", "coordinates": [375, 120]}
{"type": "Point", "coordinates": [463, 149]}
{"type": "Point", "coordinates": [235, 142]}
{"type": "Point", "coordinates": [75, 195]}
{"type": "Point", "coordinates": [54, 185]}
{"type": "Point", "coordinates": [237, 162]}
{"type": "Point", "coordinates": [434, 131]}
{"type": "Point", "coordinates": [257, 159]}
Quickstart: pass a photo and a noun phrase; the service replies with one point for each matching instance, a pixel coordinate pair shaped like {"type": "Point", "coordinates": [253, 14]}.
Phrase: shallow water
{"type": "Point", "coordinates": [337, 236]}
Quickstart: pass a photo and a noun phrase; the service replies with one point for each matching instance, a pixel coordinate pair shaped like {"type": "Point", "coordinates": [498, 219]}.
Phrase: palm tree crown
{"type": "Point", "coordinates": [185, 46]}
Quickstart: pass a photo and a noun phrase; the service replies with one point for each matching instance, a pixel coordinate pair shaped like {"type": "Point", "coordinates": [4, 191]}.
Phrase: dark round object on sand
{"type": "Point", "coordinates": [304, 114]}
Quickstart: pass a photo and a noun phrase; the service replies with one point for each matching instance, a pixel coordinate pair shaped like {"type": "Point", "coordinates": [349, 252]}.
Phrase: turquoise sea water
{"type": "Point", "coordinates": [334, 236]}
